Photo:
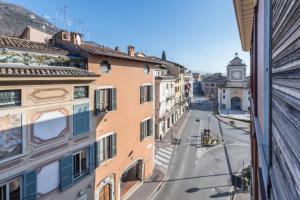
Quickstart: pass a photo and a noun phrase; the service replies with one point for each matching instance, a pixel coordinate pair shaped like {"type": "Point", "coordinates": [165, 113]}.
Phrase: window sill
{"type": "Point", "coordinates": [13, 158]}
{"type": "Point", "coordinates": [79, 178]}
{"type": "Point", "coordinates": [104, 163]}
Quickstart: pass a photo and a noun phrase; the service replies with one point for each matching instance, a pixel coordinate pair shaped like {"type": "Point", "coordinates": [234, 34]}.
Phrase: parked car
{"type": "Point", "coordinates": [199, 102]}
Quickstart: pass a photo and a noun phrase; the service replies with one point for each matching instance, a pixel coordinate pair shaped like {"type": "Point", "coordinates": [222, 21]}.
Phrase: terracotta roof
{"type": "Point", "coordinates": [36, 71]}
{"type": "Point", "coordinates": [106, 51]}
{"type": "Point", "coordinates": [27, 45]}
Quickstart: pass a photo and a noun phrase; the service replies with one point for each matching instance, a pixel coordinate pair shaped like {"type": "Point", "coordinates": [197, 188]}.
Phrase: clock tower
{"type": "Point", "coordinates": [236, 70]}
{"type": "Point", "coordinates": [234, 95]}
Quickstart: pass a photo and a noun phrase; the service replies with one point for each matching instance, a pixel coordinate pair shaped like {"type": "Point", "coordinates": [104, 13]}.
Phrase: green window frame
{"type": "Point", "coordinates": [146, 129]}
{"type": "Point", "coordinates": [106, 148]}
{"type": "Point", "coordinates": [10, 98]}
{"type": "Point", "coordinates": [81, 92]}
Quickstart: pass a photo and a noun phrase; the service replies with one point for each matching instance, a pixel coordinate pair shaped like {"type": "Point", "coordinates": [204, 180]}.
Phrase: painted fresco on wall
{"type": "Point", "coordinates": [49, 125]}
{"type": "Point", "coordinates": [10, 136]}
{"type": "Point", "coordinates": [46, 183]}
{"type": "Point", "coordinates": [40, 59]}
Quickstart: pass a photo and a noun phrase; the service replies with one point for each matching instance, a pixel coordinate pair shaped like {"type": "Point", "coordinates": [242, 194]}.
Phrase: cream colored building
{"type": "Point", "coordinates": [47, 131]}
{"type": "Point", "coordinates": [235, 93]}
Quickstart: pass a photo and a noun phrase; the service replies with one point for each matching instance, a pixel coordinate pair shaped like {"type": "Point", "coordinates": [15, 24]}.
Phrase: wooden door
{"type": "Point", "coordinates": [104, 193]}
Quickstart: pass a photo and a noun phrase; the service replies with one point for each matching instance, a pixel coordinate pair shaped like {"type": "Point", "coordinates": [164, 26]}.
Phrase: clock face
{"type": "Point", "coordinates": [236, 75]}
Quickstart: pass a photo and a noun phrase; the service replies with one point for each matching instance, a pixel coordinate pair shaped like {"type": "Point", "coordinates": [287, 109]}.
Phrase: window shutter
{"type": "Point", "coordinates": [142, 131]}
{"type": "Point", "coordinates": [97, 153]}
{"type": "Point", "coordinates": [29, 186]}
{"type": "Point", "coordinates": [141, 94]}
{"type": "Point", "coordinates": [66, 172]}
{"type": "Point", "coordinates": [150, 127]}
{"type": "Point", "coordinates": [114, 145]}
{"type": "Point", "coordinates": [81, 119]}
{"type": "Point", "coordinates": [113, 99]}
{"type": "Point", "coordinates": [97, 102]}
{"type": "Point", "coordinates": [92, 158]}
{"type": "Point", "coordinates": [151, 93]}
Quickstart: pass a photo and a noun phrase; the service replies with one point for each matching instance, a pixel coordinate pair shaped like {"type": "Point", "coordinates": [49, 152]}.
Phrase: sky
{"type": "Point", "coordinates": [199, 34]}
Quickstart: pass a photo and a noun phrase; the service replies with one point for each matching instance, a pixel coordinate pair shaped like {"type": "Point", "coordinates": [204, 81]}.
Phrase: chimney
{"type": "Point", "coordinates": [131, 51]}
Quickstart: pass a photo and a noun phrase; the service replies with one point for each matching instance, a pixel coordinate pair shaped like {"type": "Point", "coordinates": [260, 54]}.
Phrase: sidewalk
{"type": "Point", "coordinates": [150, 186]}
{"type": "Point", "coordinates": [237, 124]}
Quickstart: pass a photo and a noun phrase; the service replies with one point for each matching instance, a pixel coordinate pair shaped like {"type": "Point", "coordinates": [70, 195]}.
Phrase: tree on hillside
{"type": "Point", "coordinates": [163, 56]}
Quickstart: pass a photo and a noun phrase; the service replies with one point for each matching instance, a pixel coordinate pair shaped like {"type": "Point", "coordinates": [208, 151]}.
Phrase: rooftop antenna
{"type": "Point", "coordinates": [65, 8]}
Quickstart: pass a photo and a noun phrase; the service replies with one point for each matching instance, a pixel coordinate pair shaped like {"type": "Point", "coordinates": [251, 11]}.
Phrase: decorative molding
{"type": "Point", "coordinates": [11, 164]}
{"type": "Point", "coordinates": [35, 139]}
{"type": "Point", "coordinates": [48, 151]}
{"type": "Point", "coordinates": [48, 94]}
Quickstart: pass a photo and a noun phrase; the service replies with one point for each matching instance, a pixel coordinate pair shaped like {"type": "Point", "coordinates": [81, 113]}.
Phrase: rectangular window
{"type": "Point", "coordinates": [105, 67]}
{"type": "Point", "coordinates": [146, 93]}
{"type": "Point", "coordinates": [9, 98]}
{"type": "Point", "coordinates": [80, 163]}
{"type": "Point", "coordinates": [11, 190]}
{"type": "Point", "coordinates": [81, 92]}
{"type": "Point", "coordinates": [146, 128]}
{"type": "Point", "coordinates": [106, 148]}
{"type": "Point", "coordinates": [105, 100]}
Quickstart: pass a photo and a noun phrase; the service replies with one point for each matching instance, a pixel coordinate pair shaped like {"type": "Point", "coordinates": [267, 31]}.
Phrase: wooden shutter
{"type": "Point", "coordinates": [92, 158]}
{"type": "Point", "coordinates": [97, 101]}
{"type": "Point", "coordinates": [97, 153]}
{"type": "Point", "coordinates": [151, 93]}
{"type": "Point", "coordinates": [113, 98]}
{"type": "Point", "coordinates": [113, 145]}
{"type": "Point", "coordinates": [142, 94]}
{"type": "Point", "coordinates": [29, 185]}
{"type": "Point", "coordinates": [81, 119]}
{"type": "Point", "coordinates": [150, 127]}
{"type": "Point", "coordinates": [66, 172]}
{"type": "Point", "coordinates": [142, 130]}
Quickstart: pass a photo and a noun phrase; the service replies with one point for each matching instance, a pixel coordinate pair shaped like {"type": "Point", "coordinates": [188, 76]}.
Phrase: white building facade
{"type": "Point", "coordinates": [165, 103]}
{"type": "Point", "coordinates": [234, 95]}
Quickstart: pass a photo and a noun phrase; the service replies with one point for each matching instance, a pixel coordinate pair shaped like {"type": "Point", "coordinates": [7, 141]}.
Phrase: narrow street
{"type": "Point", "coordinates": [197, 172]}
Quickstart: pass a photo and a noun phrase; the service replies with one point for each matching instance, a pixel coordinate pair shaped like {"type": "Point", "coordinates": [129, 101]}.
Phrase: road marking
{"type": "Point", "coordinates": [166, 151]}
{"type": "Point", "coordinates": [162, 159]}
{"type": "Point", "coordinates": [163, 155]}
{"type": "Point", "coordinates": [161, 164]}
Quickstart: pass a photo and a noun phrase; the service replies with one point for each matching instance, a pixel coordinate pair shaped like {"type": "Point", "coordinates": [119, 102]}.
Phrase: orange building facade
{"type": "Point", "coordinates": [125, 115]}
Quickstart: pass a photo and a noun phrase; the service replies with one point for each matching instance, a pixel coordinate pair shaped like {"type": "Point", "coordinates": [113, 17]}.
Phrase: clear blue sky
{"type": "Point", "coordinates": [200, 34]}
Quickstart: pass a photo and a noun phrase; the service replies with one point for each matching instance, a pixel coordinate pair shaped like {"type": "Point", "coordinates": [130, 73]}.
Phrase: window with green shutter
{"type": "Point", "coordinates": [81, 119]}
{"type": "Point", "coordinates": [105, 100]}
{"type": "Point", "coordinates": [146, 129]}
{"type": "Point", "coordinates": [29, 185]}
{"type": "Point", "coordinates": [11, 189]}
{"type": "Point", "coordinates": [66, 172]}
{"type": "Point", "coordinates": [106, 148]}
{"type": "Point", "coordinates": [146, 93]}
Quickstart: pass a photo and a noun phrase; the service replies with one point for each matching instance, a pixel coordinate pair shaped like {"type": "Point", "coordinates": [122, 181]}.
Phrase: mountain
{"type": "Point", "coordinates": [15, 18]}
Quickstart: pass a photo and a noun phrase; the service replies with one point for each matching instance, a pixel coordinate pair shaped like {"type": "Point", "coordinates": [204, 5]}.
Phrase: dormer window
{"type": "Point", "coordinates": [105, 67]}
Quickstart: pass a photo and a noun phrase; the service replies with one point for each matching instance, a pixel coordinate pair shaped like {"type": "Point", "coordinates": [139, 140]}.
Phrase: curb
{"type": "Point", "coordinates": [155, 192]}
{"type": "Point", "coordinates": [231, 125]}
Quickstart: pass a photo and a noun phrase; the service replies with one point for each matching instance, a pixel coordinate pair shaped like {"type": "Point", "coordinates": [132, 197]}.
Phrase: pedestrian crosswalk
{"type": "Point", "coordinates": [163, 156]}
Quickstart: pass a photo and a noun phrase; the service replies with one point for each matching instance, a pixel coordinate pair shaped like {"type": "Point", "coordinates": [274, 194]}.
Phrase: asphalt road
{"type": "Point", "coordinates": [198, 172]}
